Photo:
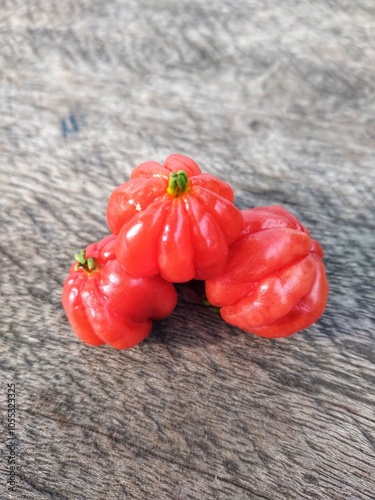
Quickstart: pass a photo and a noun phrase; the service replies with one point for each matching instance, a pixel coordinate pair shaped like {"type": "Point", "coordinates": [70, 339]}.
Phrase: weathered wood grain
{"type": "Point", "coordinates": [274, 97]}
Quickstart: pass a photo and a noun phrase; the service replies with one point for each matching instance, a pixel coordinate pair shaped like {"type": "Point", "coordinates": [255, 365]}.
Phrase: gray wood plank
{"type": "Point", "coordinates": [274, 97]}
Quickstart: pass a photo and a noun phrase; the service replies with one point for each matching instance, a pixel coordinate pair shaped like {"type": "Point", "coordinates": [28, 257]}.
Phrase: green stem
{"type": "Point", "coordinates": [88, 265]}
{"type": "Point", "coordinates": [210, 306]}
{"type": "Point", "coordinates": [178, 183]}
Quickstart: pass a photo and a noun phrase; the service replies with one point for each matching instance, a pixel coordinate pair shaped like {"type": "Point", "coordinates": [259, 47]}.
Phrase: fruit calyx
{"type": "Point", "coordinates": [88, 265]}
{"type": "Point", "coordinates": [178, 183]}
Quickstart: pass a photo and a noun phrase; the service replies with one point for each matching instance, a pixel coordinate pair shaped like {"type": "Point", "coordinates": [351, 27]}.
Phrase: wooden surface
{"type": "Point", "coordinates": [276, 98]}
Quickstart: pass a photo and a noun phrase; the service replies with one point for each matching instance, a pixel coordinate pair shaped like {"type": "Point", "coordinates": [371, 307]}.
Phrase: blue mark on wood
{"type": "Point", "coordinates": [69, 126]}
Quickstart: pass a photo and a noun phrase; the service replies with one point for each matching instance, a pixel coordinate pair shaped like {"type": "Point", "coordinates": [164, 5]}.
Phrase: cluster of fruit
{"type": "Point", "coordinates": [172, 223]}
